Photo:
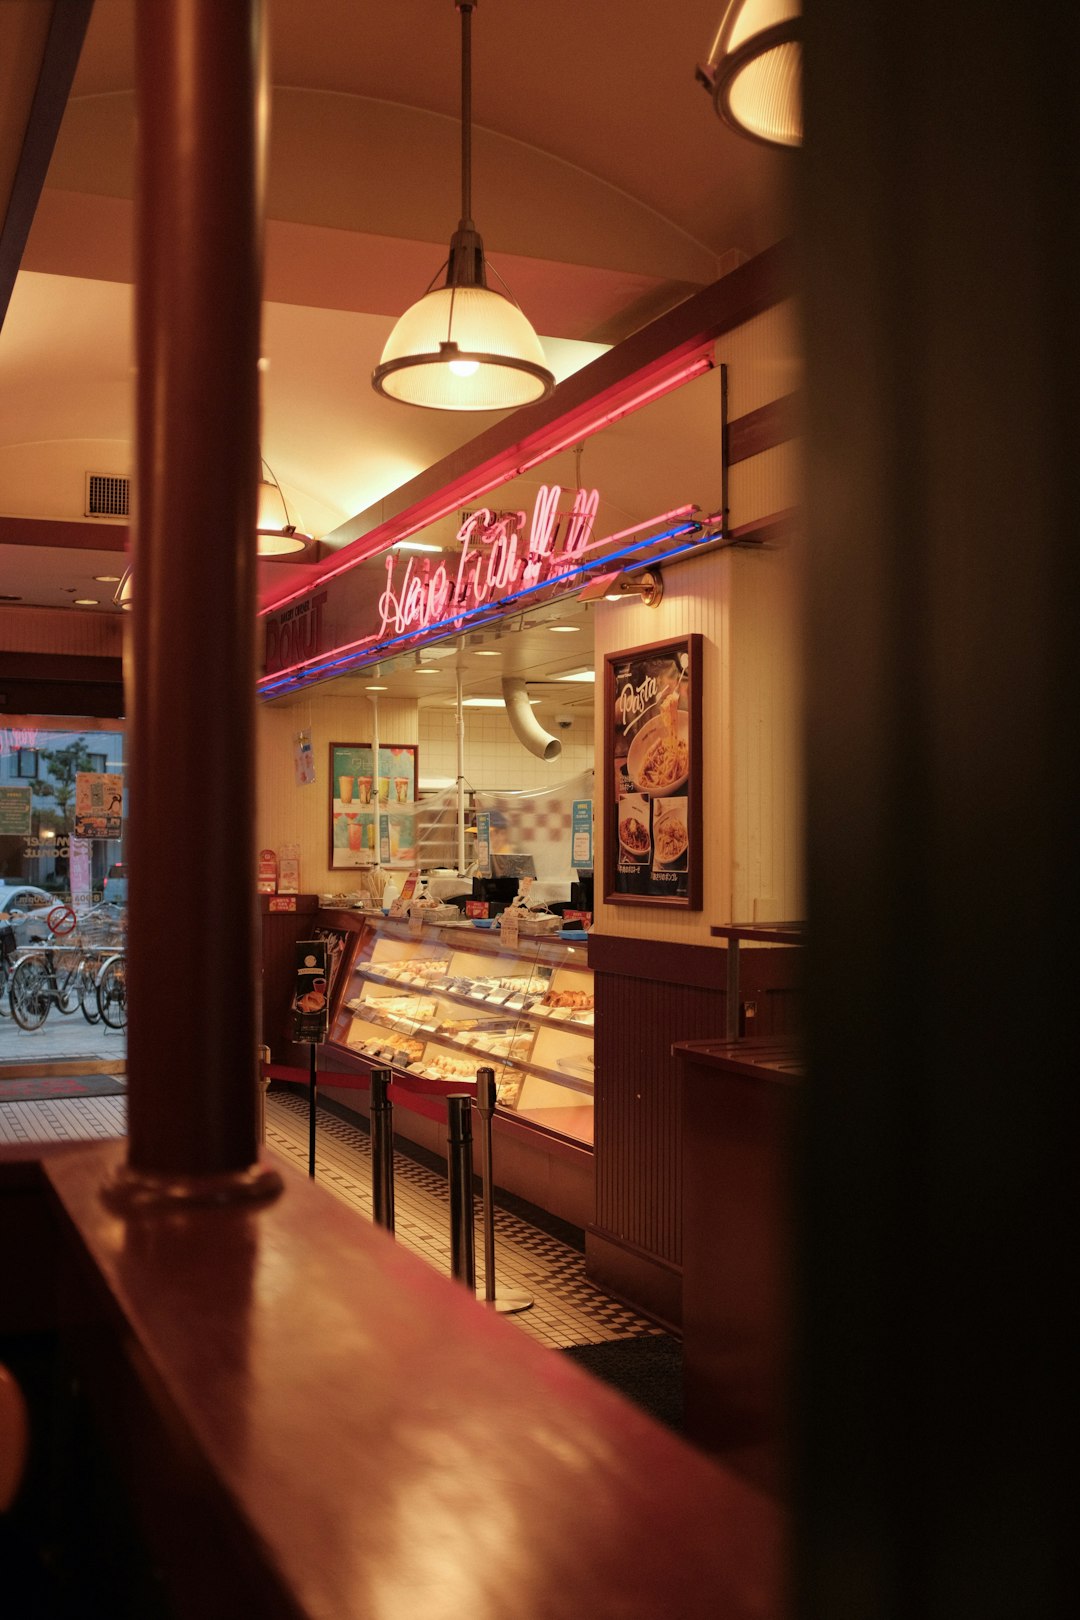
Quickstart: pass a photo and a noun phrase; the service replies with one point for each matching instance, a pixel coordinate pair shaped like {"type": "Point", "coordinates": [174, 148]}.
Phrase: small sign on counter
{"type": "Point", "coordinates": [282, 902]}
{"type": "Point", "coordinates": [289, 869]}
{"type": "Point", "coordinates": [399, 905]}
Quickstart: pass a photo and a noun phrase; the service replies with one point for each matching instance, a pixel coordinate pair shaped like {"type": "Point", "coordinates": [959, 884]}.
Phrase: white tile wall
{"type": "Point", "coordinates": [494, 758]}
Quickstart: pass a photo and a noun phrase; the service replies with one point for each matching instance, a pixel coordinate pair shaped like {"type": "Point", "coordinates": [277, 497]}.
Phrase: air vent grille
{"type": "Point", "coordinates": [106, 495]}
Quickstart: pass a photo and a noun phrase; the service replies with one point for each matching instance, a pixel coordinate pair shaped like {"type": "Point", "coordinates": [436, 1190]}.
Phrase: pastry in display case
{"type": "Point", "coordinates": [441, 1005]}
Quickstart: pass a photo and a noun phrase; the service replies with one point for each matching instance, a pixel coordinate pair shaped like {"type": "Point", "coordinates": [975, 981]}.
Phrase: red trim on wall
{"type": "Point", "coordinates": [60, 667]}
{"type": "Point", "coordinates": [763, 429]}
{"type": "Point", "coordinates": [63, 534]}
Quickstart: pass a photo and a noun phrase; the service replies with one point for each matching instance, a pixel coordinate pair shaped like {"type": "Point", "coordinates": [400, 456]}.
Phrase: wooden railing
{"type": "Point", "coordinates": [307, 1421]}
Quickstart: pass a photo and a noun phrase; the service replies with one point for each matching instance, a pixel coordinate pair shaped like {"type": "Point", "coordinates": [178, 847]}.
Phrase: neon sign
{"type": "Point", "coordinates": [495, 561]}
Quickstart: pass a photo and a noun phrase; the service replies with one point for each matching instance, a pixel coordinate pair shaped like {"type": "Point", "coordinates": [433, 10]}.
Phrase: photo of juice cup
{"type": "Point", "coordinates": [364, 784]}
{"type": "Point", "coordinates": [401, 788]}
{"type": "Point", "coordinates": [356, 833]}
{"type": "Point", "coordinates": [345, 787]}
{"type": "Point", "coordinates": [384, 789]}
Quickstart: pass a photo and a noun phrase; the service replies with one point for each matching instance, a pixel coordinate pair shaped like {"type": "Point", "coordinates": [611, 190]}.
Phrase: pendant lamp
{"type": "Point", "coordinates": [463, 346]}
{"type": "Point", "coordinates": [122, 595]}
{"type": "Point", "coordinates": [754, 70]}
{"type": "Point", "coordinates": [277, 534]}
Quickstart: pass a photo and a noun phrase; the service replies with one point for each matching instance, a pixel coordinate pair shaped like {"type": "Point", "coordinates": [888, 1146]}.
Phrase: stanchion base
{"type": "Point", "coordinates": [506, 1301]}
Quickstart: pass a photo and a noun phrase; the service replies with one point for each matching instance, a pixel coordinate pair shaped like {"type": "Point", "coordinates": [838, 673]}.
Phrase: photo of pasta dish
{"type": "Point", "coordinates": [666, 762]}
{"type": "Point", "coordinates": [671, 839]}
{"type": "Point", "coordinates": [634, 835]}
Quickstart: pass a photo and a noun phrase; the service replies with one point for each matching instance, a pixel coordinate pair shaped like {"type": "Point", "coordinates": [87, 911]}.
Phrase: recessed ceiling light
{"type": "Point", "coordinates": [86, 601]}
{"type": "Point", "coordinates": [565, 629]}
{"type": "Point", "coordinates": [415, 545]}
{"type": "Point", "coordinates": [423, 671]}
{"type": "Point", "coordinates": [107, 579]}
{"type": "Point", "coordinates": [485, 652]}
{"type": "Point", "coordinates": [486, 703]}
{"type": "Point", "coordinates": [581, 675]}
{"type": "Point", "coordinates": [377, 689]}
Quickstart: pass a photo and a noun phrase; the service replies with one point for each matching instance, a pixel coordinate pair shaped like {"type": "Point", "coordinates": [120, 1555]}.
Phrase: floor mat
{"type": "Point", "coordinates": [647, 1371]}
{"type": "Point", "coordinates": [50, 1087]}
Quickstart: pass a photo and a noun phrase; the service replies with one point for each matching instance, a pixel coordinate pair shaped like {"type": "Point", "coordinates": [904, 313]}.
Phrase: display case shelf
{"type": "Point", "coordinates": [502, 1063]}
{"type": "Point", "coordinates": [512, 1006]}
{"type": "Point", "coordinates": [402, 1003]}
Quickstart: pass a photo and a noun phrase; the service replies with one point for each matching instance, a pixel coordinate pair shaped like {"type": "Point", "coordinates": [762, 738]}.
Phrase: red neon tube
{"type": "Point", "coordinates": [388, 534]}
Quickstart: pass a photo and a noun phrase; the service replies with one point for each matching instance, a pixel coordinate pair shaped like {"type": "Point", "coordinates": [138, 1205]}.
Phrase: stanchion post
{"type": "Point", "coordinates": [502, 1300]}
{"type": "Point", "coordinates": [485, 1107]}
{"type": "Point", "coordinates": [313, 1091]}
{"type": "Point", "coordinates": [460, 1173]}
{"type": "Point", "coordinates": [382, 1150]}
{"type": "Point", "coordinates": [262, 1086]}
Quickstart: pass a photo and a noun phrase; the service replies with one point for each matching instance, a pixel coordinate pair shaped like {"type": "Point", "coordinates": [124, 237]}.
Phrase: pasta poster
{"type": "Point", "coordinates": [653, 733]}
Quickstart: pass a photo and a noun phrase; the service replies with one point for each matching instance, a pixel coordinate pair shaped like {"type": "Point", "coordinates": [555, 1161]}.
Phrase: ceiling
{"type": "Point", "coordinates": [605, 187]}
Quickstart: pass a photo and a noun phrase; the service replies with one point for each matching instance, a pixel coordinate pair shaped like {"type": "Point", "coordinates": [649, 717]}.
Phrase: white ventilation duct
{"type": "Point", "coordinates": [524, 724]}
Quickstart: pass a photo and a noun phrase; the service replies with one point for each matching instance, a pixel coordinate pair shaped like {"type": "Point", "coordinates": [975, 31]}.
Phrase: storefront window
{"type": "Point", "coordinates": [61, 830]}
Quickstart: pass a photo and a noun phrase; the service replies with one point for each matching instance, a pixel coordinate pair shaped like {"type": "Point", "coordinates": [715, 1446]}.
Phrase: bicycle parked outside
{"type": "Point", "coordinates": [112, 992]}
{"type": "Point", "coordinates": [67, 975]}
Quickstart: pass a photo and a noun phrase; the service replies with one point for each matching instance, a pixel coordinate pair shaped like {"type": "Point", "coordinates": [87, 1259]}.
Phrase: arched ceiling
{"type": "Point", "coordinates": [604, 185]}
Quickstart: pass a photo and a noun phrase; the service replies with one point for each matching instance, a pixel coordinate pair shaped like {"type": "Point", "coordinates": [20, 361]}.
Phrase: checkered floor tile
{"type": "Point", "coordinates": [567, 1308]}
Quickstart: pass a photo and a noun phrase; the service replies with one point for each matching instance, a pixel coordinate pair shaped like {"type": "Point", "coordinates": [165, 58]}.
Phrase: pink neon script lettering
{"type": "Point", "coordinates": [491, 564]}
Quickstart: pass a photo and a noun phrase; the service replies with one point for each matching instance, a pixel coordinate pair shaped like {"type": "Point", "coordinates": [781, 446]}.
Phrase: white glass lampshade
{"type": "Point", "coordinates": [463, 349]}
{"type": "Point", "coordinates": [122, 595]}
{"type": "Point", "coordinates": [757, 82]}
{"type": "Point", "coordinates": [277, 535]}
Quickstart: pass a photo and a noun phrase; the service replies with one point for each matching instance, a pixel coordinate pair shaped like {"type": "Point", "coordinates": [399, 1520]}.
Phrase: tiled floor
{"type": "Point", "coordinates": [70, 1119]}
{"type": "Point", "coordinates": [567, 1308]}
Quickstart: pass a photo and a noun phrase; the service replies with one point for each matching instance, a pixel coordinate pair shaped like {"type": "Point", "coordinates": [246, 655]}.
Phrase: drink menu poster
{"type": "Point", "coordinates": [359, 794]}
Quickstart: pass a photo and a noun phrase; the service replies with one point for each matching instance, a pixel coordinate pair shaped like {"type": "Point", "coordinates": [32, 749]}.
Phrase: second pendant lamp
{"type": "Point", "coordinates": [463, 346]}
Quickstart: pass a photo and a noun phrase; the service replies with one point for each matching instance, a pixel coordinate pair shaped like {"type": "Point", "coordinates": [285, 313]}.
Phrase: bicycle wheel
{"type": "Point", "coordinates": [87, 983]}
{"type": "Point", "coordinates": [69, 983]}
{"type": "Point", "coordinates": [31, 992]}
{"type": "Point", "coordinates": [112, 994]}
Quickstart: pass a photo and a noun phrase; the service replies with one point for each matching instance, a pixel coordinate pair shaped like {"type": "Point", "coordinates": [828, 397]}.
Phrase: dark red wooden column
{"type": "Point", "coordinates": [191, 987]}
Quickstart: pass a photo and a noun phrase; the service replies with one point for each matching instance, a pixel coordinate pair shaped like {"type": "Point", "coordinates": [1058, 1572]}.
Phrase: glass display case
{"type": "Point", "coordinates": [441, 1004]}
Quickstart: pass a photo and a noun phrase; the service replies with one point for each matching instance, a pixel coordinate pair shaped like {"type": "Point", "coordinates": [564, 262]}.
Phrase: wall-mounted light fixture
{"type": "Point", "coordinates": [463, 346]}
{"type": "Point", "coordinates": [754, 70]}
{"type": "Point", "coordinates": [278, 535]}
{"type": "Point", "coordinates": [648, 586]}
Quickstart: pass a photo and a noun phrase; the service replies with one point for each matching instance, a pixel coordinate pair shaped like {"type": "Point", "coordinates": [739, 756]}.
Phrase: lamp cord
{"type": "Point", "coordinates": [466, 9]}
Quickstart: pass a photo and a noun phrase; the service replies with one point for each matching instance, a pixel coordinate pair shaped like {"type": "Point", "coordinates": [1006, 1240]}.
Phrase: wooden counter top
{"type": "Point", "coordinates": [337, 1431]}
{"type": "Point", "coordinates": [763, 1060]}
